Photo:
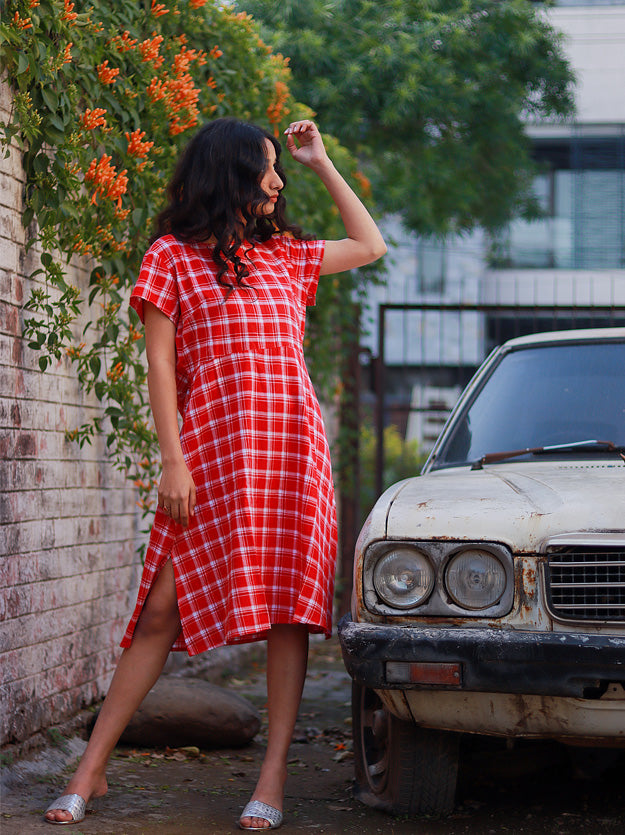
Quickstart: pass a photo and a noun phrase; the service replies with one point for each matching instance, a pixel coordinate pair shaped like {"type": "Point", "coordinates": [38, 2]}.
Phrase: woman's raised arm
{"type": "Point", "coordinates": [363, 243]}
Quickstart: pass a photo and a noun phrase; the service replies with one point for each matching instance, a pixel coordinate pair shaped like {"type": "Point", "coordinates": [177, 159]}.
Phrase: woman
{"type": "Point", "coordinates": [243, 544]}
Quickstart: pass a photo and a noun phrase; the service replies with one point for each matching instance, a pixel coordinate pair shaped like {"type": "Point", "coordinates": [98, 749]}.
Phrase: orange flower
{"type": "Point", "coordinates": [116, 372]}
{"type": "Point", "coordinates": [215, 52]}
{"type": "Point", "coordinates": [67, 54]}
{"type": "Point", "coordinates": [150, 49]}
{"type": "Point", "coordinates": [134, 336]}
{"type": "Point", "coordinates": [75, 351]}
{"type": "Point", "coordinates": [69, 13]}
{"type": "Point", "coordinates": [178, 92]}
{"type": "Point", "coordinates": [277, 110]}
{"type": "Point", "coordinates": [197, 4]}
{"type": "Point", "coordinates": [92, 119]}
{"type": "Point", "coordinates": [158, 9]}
{"type": "Point", "coordinates": [211, 83]}
{"type": "Point", "coordinates": [157, 89]}
{"type": "Point", "coordinates": [124, 42]}
{"type": "Point", "coordinates": [364, 183]}
{"type": "Point", "coordinates": [106, 74]}
{"type": "Point", "coordinates": [21, 22]}
{"type": "Point", "coordinates": [33, 4]}
{"type": "Point", "coordinates": [107, 182]}
{"type": "Point", "coordinates": [136, 147]}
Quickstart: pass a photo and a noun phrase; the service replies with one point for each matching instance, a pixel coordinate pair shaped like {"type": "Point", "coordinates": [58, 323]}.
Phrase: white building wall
{"type": "Point", "coordinates": [594, 41]}
{"type": "Point", "coordinates": [414, 337]}
{"type": "Point", "coordinates": [595, 45]}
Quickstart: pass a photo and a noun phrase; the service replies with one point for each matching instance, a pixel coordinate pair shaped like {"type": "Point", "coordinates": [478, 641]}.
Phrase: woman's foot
{"type": "Point", "coordinates": [270, 791]}
{"type": "Point", "coordinates": [85, 788]}
{"type": "Point", "coordinates": [255, 811]}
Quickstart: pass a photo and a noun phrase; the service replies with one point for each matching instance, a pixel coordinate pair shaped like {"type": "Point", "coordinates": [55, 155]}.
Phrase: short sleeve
{"type": "Point", "coordinates": [157, 282]}
{"type": "Point", "coordinates": [304, 259]}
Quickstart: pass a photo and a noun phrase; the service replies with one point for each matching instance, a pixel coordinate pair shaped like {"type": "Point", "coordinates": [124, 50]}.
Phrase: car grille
{"type": "Point", "coordinates": [587, 583]}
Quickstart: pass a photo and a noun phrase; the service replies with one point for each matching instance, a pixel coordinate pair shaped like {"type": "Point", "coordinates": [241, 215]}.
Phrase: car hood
{"type": "Point", "coordinates": [519, 504]}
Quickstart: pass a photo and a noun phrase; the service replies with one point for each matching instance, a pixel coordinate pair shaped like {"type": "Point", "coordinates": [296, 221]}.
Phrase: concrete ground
{"type": "Point", "coordinates": [531, 789]}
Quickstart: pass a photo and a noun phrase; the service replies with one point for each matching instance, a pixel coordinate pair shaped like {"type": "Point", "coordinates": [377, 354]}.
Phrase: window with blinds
{"type": "Point", "coordinates": [581, 195]}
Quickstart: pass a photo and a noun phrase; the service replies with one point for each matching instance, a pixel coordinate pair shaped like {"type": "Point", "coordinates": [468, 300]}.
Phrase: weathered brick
{"type": "Point", "coordinates": [68, 522]}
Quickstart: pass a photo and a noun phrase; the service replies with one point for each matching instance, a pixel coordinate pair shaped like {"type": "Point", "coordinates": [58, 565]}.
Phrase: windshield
{"type": "Point", "coordinates": [551, 394]}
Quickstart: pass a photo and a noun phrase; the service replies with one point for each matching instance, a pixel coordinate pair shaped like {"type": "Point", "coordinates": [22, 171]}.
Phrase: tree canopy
{"type": "Point", "coordinates": [433, 95]}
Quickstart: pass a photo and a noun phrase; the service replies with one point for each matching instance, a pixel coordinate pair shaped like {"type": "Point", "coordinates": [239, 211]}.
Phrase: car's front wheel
{"type": "Point", "coordinates": [400, 767]}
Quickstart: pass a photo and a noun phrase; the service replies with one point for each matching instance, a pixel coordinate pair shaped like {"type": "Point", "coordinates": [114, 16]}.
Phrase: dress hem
{"type": "Point", "coordinates": [249, 638]}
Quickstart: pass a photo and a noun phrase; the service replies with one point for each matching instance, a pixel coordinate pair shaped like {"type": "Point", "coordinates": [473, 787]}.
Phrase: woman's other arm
{"type": "Point", "coordinates": [363, 243]}
{"type": "Point", "coordinates": [176, 490]}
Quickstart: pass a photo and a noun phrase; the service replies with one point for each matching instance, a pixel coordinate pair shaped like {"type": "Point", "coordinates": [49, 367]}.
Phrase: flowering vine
{"type": "Point", "coordinates": [105, 95]}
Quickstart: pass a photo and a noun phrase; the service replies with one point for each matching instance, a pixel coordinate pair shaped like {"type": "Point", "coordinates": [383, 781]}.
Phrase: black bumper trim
{"type": "Point", "coordinates": [492, 660]}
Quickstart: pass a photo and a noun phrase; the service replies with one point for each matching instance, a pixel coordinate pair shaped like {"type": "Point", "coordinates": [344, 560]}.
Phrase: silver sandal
{"type": "Point", "coordinates": [258, 809]}
{"type": "Point", "coordinates": [72, 803]}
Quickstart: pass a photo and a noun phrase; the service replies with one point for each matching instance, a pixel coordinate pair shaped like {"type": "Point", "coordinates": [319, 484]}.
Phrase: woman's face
{"type": "Point", "coordinates": [270, 183]}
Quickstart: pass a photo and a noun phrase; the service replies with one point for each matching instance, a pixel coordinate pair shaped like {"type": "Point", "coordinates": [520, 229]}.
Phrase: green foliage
{"type": "Point", "coordinates": [402, 459]}
{"type": "Point", "coordinates": [57, 739]}
{"type": "Point", "coordinates": [433, 93]}
{"type": "Point", "coordinates": [105, 96]}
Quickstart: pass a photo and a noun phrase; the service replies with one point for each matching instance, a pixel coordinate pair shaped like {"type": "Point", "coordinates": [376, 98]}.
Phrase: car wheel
{"type": "Point", "coordinates": [400, 767]}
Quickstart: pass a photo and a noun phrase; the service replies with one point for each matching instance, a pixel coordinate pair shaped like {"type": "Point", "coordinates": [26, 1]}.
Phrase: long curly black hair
{"type": "Point", "coordinates": [215, 194]}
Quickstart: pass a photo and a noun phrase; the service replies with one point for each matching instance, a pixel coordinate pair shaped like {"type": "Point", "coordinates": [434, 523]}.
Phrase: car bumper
{"type": "Point", "coordinates": [484, 660]}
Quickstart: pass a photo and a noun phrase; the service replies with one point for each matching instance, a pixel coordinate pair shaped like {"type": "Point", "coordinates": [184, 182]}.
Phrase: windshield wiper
{"type": "Point", "coordinates": [493, 457]}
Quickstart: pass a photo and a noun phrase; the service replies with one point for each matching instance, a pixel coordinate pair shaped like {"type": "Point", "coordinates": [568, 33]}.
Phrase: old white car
{"type": "Point", "coordinates": [489, 592]}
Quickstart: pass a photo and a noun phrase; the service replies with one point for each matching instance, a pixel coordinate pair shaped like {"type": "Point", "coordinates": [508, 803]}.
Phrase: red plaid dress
{"type": "Point", "coordinates": [261, 548]}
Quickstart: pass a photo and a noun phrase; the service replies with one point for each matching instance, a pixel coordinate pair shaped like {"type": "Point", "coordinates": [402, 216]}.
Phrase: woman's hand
{"type": "Point", "coordinates": [176, 492]}
{"type": "Point", "coordinates": [305, 144]}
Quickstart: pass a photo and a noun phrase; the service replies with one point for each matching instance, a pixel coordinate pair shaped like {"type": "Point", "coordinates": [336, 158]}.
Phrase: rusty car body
{"type": "Point", "coordinates": [489, 592]}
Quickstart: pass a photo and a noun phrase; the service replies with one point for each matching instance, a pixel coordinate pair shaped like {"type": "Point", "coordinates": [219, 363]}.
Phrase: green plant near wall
{"type": "Point", "coordinates": [402, 459]}
{"type": "Point", "coordinates": [105, 96]}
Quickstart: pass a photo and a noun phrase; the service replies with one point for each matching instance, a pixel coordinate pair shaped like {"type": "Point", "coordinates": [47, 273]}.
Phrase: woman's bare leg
{"type": "Point", "coordinates": [138, 669]}
{"type": "Point", "coordinates": [287, 658]}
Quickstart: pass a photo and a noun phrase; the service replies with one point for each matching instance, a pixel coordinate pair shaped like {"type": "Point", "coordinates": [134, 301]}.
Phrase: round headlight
{"type": "Point", "coordinates": [475, 579]}
{"type": "Point", "coordinates": [403, 578]}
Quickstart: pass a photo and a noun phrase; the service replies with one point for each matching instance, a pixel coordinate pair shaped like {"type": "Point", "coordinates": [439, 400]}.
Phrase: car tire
{"type": "Point", "coordinates": [400, 767]}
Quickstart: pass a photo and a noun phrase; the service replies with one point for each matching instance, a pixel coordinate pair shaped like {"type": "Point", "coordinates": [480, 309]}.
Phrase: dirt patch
{"type": "Point", "coordinates": [533, 789]}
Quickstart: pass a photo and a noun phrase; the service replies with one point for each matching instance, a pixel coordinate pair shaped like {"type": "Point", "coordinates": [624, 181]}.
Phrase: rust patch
{"type": "Point", "coordinates": [16, 416]}
{"type": "Point", "coordinates": [26, 445]}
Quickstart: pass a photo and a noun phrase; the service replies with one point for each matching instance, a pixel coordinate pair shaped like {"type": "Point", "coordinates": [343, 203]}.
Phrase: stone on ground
{"type": "Point", "coordinates": [180, 711]}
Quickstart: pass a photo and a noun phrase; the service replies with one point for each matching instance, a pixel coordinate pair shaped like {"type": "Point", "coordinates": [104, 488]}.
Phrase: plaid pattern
{"type": "Point", "coordinates": [261, 548]}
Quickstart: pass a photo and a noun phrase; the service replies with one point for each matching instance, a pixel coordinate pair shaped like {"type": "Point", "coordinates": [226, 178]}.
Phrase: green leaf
{"type": "Point", "coordinates": [58, 123]}
{"type": "Point", "coordinates": [23, 63]}
{"type": "Point", "coordinates": [53, 135]}
{"type": "Point", "coordinates": [41, 163]}
{"type": "Point", "coordinates": [50, 98]}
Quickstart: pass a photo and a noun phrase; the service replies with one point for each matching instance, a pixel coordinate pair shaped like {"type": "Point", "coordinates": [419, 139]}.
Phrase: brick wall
{"type": "Point", "coordinates": [68, 521]}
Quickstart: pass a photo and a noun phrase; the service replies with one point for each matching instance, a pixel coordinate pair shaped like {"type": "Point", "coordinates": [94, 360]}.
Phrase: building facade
{"type": "Point", "coordinates": [447, 303]}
